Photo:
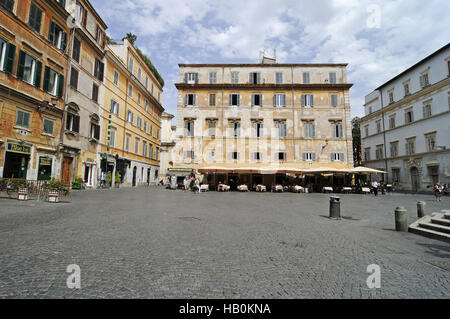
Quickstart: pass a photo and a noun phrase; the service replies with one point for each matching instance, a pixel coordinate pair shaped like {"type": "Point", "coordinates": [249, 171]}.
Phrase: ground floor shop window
{"type": "Point", "coordinates": [45, 168]}
{"type": "Point", "coordinates": [16, 160]}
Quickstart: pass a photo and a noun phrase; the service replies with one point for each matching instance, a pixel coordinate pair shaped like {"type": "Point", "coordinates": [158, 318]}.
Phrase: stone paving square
{"type": "Point", "coordinates": [157, 243]}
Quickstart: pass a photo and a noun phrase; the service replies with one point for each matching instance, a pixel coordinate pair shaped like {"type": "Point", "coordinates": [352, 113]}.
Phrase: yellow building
{"type": "Point", "coordinates": [253, 123]}
{"type": "Point", "coordinates": [131, 117]}
{"type": "Point", "coordinates": [33, 61]}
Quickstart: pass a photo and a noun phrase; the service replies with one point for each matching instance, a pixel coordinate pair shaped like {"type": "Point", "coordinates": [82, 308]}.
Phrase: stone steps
{"type": "Point", "coordinates": [436, 226]}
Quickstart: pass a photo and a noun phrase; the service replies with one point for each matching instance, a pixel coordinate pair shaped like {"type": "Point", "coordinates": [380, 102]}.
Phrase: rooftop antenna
{"type": "Point", "coordinates": [262, 53]}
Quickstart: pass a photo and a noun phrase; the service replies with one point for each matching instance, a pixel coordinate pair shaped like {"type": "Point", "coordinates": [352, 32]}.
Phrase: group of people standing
{"type": "Point", "coordinates": [191, 183]}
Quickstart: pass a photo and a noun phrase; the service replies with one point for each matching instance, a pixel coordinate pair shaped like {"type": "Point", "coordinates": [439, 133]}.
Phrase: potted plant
{"type": "Point", "coordinates": [108, 179]}
{"type": "Point", "coordinates": [117, 180]}
{"type": "Point", "coordinates": [55, 188]}
{"type": "Point", "coordinates": [78, 183]}
{"type": "Point", "coordinates": [22, 193]}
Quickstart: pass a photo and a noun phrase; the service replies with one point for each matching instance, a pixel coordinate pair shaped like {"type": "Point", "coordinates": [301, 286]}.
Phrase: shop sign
{"type": "Point", "coordinates": [45, 161]}
{"type": "Point", "coordinates": [18, 148]}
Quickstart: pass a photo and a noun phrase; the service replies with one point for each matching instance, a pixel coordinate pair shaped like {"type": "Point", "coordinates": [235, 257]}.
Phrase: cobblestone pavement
{"type": "Point", "coordinates": [157, 243]}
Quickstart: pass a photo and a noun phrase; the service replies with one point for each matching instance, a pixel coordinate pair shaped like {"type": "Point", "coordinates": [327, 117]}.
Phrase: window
{"type": "Point", "coordinates": [279, 100]}
{"type": "Point", "coordinates": [191, 99]}
{"type": "Point", "coordinates": [146, 82]}
{"type": "Point", "coordinates": [159, 96]}
{"type": "Point", "coordinates": [139, 122]}
{"type": "Point", "coordinates": [391, 96]}
{"type": "Point", "coordinates": [29, 69]}
{"type": "Point", "coordinates": [279, 78]}
{"type": "Point", "coordinates": [130, 116]}
{"type": "Point", "coordinates": [257, 156]}
{"type": "Point", "coordinates": [48, 126]}
{"type": "Point", "coordinates": [234, 156]}
{"type": "Point", "coordinates": [116, 78]}
{"type": "Point", "coordinates": [130, 90]}
{"type": "Point", "coordinates": [367, 154]}
{"type": "Point", "coordinates": [379, 126]}
{"type": "Point", "coordinates": [424, 81]}
{"type": "Point", "coordinates": [53, 82]}
{"type": "Point", "coordinates": [255, 78]}
{"type": "Point", "coordinates": [95, 131]}
{"type": "Point", "coordinates": [332, 77]}
{"type": "Point", "coordinates": [410, 146]}
{"type": "Point", "coordinates": [8, 4]}
{"type": "Point", "coordinates": [57, 36]}
{"type": "Point", "coordinates": [379, 152]}
{"type": "Point", "coordinates": [74, 78]}
{"type": "Point", "coordinates": [73, 122]}
{"type": "Point", "coordinates": [406, 89]}
{"type": "Point", "coordinates": [146, 105]}
{"type": "Point", "coordinates": [95, 93]}
{"type": "Point", "coordinates": [281, 129]}
{"type": "Point", "coordinates": [145, 126]}
{"type": "Point", "coordinates": [392, 121]}
{"type": "Point", "coordinates": [127, 142]}
{"type": "Point", "coordinates": [189, 128]}
{"type": "Point", "coordinates": [131, 65]}
{"type": "Point", "coordinates": [427, 110]}
{"type": "Point", "coordinates": [139, 98]}
{"type": "Point", "coordinates": [431, 141]}
{"type": "Point", "coordinates": [212, 100]}
{"type": "Point", "coordinates": [448, 67]}
{"type": "Point", "coordinates": [80, 13]}
{"type": "Point", "coordinates": [35, 18]}
{"type": "Point", "coordinates": [136, 146]}
{"type": "Point", "coordinates": [211, 155]}
{"type": "Point", "coordinates": [235, 129]}
{"type": "Point", "coordinates": [409, 116]}
{"type": "Point", "coordinates": [337, 129]}
{"type": "Point", "coordinates": [396, 175]}
{"type": "Point", "coordinates": [99, 70]}
{"type": "Point", "coordinates": [212, 77]}
{"type": "Point", "coordinates": [337, 157]}
{"type": "Point", "coordinates": [212, 128]}
{"type": "Point", "coordinates": [144, 148]}
{"type": "Point", "coordinates": [23, 119]}
{"type": "Point", "coordinates": [191, 78]}
{"type": "Point", "coordinates": [7, 56]}
{"type": "Point", "coordinates": [310, 130]}
{"type": "Point", "coordinates": [150, 146]}
{"type": "Point", "coordinates": [153, 88]}
{"type": "Point", "coordinates": [234, 77]}
{"type": "Point", "coordinates": [151, 130]}
{"type": "Point", "coordinates": [307, 100]}
{"type": "Point", "coordinates": [259, 129]}
{"type": "Point", "coordinates": [114, 107]}
{"type": "Point", "coordinates": [306, 78]}
{"type": "Point", "coordinates": [234, 99]}
{"type": "Point", "coordinates": [309, 156]}
{"type": "Point", "coordinates": [334, 100]}
{"type": "Point", "coordinates": [112, 137]}
{"type": "Point", "coordinates": [257, 99]}
{"type": "Point", "coordinates": [139, 74]}
{"type": "Point", "coordinates": [76, 50]}
{"type": "Point", "coordinates": [189, 154]}
{"type": "Point", "coordinates": [366, 129]}
{"type": "Point", "coordinates": [394, 149]}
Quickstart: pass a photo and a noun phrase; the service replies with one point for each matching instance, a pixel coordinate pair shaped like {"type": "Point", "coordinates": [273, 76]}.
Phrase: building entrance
{"type": "Point", "coordinates": [16, 165]}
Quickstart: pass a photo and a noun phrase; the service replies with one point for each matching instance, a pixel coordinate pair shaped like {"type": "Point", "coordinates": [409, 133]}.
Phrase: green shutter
{"type": "Point", "coordinates": [20, 67]}
{"type": "Point", "coordinates": [64, 42]}
{"type": "Point", "coordinates": [60, 85]}
{"type": "Point", "coordinates": [51, 32]}
{"type": "Point", "coordinates": [10, 55]}
{"type": "Point", "coordinates": [46, 78]}
{"type": "Point", "coordinates": [38, 74]}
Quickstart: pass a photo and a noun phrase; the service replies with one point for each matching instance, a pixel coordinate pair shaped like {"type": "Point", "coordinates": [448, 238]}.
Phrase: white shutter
{"type": "Point", "coordinates": [313, 156]}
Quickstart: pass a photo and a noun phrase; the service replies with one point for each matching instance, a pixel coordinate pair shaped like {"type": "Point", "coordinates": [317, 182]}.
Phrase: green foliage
{"type": "Point", "coordinates": [108, 177]}
{"type": "Point", "coordinates": [117, 178]}
{"type": "Point", "coordinates": [77, 183]}
{"type": "Point", "coordinates": [151, 66]}
{"type": "Point", "coordinates": [130, 37]}
{"type": "Point", "coordinates": [55, 185]}
{"type": "Point", "coordinates": [356, 134]}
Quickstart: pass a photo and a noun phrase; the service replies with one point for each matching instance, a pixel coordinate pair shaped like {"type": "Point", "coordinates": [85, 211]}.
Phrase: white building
{"type": "Point", "coordinates": [406, 127]}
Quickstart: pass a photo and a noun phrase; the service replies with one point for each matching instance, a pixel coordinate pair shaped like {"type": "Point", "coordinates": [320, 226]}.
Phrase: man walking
{"type": "Point", "coordinates": [375, 188]}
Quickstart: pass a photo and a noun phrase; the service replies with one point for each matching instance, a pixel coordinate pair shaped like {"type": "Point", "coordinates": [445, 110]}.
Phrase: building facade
{"type": "Point", "coordinates": [168, 143]}
{"type": "Point", "coordinates": [406, 127]}
{"type": "Point", "coordinates": [33, 53]}
{"type": "Point", "coordinates": [253, 117]}
{"type": "Point", "coordinates": [131, 117]}
{"type": "Point", "coordinates": [80, 133]}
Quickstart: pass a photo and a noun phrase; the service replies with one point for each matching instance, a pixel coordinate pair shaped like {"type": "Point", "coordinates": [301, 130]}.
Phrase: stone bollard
{"type": "Point", "coordinates": [401, 219]}
{"type": "Point", "coordinates": [421, 209]}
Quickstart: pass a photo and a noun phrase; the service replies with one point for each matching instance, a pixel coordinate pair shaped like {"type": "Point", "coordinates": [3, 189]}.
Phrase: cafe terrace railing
{"type": "Point", "coordinates": [35, 189]}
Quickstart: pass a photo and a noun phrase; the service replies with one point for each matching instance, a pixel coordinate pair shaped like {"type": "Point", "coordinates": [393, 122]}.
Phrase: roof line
{"type": "Point", "coordinates": [274, 65]}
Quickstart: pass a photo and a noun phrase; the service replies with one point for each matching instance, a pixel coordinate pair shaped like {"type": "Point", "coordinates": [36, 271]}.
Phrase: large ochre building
{"type": "Point", "coordinates": [253, 123]}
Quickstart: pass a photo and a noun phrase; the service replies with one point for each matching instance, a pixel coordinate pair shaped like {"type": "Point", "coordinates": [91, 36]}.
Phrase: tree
{"type": "Point", "coordinates": [130, 37]}
{"type": "Point", "coordinates": [356, 135]}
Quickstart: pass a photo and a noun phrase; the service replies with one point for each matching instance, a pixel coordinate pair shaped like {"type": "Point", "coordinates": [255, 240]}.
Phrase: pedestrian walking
{"type": "Point", "coordinates": [375, 188]}
{"type": "Point", "coordinates": [438, 192]}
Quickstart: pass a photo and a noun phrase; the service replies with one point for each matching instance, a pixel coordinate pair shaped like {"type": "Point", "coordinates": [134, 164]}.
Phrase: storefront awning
{"type": "Point", "coordinates": [289, 170]}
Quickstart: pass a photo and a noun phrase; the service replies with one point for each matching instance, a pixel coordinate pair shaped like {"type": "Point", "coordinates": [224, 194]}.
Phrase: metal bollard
{"type": "Point", "coordinates": [335, 207]}
{"type": "Point", "coordinates": [421, 209]}
{"type": "Point", "coordinates": [401, 219]}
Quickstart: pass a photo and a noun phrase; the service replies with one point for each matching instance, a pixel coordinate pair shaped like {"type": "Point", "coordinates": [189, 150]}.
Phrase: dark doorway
{"type": "Point", "coordinates": [415, 182]}
{"type": "Point", "coordinates": [16, 165]}
{"type": "Point", "coordinates": [66, 169]}
{"type": "Point", "coordinates": [45, 169]}
{"type": "Point", "coordinates": [134, 175]}
{"type": "Point", "coordinates": [148, 176]}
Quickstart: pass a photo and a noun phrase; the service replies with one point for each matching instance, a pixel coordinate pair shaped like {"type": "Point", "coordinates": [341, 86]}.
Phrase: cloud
{"type": "Point", "coordinates": [324, 31]}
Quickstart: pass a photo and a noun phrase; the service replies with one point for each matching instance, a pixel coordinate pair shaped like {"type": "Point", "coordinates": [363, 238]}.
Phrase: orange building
{"type": "Point", "coordinates": [33, 60]}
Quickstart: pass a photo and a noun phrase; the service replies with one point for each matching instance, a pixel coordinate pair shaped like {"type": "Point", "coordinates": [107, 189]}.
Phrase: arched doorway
{"type": "Point", "coordinates": [134, 175]}
{"type": "Point", "coordinates": [415, 181]}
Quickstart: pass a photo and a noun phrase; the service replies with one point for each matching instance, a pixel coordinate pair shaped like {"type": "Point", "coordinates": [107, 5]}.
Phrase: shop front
{"type": "Point", "coordinates": [45, 168]}
{"type": "Point", "coordinates": [17, 160]}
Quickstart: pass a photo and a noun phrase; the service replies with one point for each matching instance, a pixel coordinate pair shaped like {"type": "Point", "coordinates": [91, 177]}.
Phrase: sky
{"type": "Point", "coordinates": [378, 39]}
